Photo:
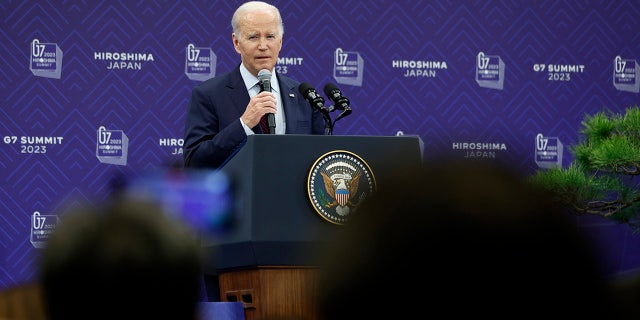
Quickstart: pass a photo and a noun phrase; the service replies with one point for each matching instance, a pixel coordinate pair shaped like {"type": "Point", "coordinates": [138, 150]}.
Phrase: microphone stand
{"type": "Point", "coordinates": [347, 111]}
{"type": "Point", "coordinates": [328, 125]}
{"type": "Point", "coordinates": [344, 113]}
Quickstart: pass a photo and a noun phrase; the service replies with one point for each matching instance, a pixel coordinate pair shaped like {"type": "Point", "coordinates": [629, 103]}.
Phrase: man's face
{"type": "Point", "coordinates": [259, 41]}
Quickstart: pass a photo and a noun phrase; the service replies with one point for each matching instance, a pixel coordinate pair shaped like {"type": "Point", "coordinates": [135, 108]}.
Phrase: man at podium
{"type": "Point", "coordinates": [224, 110]}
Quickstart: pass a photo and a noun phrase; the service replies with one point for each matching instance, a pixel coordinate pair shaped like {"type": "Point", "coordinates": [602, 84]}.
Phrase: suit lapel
{"type": "Point", "coordinates": [237, 92]}
{"type": "Point", "coordinates": [288, 97]}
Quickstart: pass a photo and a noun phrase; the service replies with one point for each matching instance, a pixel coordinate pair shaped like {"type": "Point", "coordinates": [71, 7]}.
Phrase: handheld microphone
{"type": "Point", "coordinates": [264, 76]}
{"type": "Point", "coordinates": [312, 96]}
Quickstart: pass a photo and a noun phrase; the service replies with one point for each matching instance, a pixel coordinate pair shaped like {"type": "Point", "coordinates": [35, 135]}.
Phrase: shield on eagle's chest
{"type": "Point", "coordinates": [342, 196]}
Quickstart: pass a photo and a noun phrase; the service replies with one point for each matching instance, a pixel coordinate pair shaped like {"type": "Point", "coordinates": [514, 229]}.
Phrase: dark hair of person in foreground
{"type": "Point", "coordinates": [127, 259]}
{"type": "Point", "coordinates": [461, 239]}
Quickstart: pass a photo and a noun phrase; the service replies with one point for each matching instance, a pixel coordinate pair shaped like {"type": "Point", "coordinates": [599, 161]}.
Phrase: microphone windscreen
{"type": "Point", "coordinates": [304, 87]}
{"type": "Point", "coordinates": [330, 89]}
{"type": "Point", "coordinates": [263, 75]}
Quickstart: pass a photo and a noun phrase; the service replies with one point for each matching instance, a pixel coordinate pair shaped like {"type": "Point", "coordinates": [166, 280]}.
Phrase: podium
{"type": "Point", "coordinates": [269, 258]}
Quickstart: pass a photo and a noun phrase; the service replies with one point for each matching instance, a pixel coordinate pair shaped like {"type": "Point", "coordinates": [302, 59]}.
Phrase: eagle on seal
{"type": "Point", "coordinates": [340, 187]}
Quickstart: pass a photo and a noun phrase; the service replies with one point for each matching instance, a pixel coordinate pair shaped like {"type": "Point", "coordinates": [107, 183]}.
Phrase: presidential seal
{"type": "Point", "coordinates": [338, 182]}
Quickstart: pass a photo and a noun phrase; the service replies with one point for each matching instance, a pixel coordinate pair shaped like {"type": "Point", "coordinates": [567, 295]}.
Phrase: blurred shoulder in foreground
{"type": "Point", "coordinates": [462, 238]}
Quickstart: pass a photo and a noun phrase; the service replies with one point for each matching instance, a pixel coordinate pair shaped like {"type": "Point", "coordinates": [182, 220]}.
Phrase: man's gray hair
{"type": "Point", "coordinates": [254, 6]}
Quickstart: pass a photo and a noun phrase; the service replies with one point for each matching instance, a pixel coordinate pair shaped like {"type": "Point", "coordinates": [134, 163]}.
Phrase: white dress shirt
{"type": "Point", "coordinates": [253, 87]}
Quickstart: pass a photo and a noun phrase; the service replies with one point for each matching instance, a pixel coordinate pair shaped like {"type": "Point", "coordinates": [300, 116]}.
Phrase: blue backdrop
{"type": "Point", "coordinates": [95, 90]}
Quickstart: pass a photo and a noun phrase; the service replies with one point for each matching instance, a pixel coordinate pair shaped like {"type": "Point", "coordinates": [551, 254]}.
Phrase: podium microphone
{"type": "Point", "coordinates": [312, 96]}
{"type": "Point", "coordinates": [317, 102]}
{"type": "Point", "coordinates": [340, 102]}
{"type": "Point", "coordinates": [264, 76]}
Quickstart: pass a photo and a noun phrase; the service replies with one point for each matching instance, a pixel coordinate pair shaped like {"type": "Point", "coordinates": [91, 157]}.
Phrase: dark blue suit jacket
{"type": "Point", "coordinates": [213, 130]}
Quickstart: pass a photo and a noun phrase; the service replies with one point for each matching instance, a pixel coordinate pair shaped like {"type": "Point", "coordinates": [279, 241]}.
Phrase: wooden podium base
{"type": "Point", "coordinates": [272, 292]}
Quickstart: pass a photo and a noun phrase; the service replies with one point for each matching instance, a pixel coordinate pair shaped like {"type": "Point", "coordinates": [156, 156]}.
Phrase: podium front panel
{"type": "Point", "coordinates": [276, 224]}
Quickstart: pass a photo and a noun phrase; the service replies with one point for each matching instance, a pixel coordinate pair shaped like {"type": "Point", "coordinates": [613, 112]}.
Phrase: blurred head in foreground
{"type": "Point", "coordinates": [126, 259]}
{"type": "Point", "coordinates": [460, 239]}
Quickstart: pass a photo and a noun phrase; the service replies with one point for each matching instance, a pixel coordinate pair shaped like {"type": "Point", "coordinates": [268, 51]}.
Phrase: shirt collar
{"type": "Point", "coordinates": [250, 80]}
